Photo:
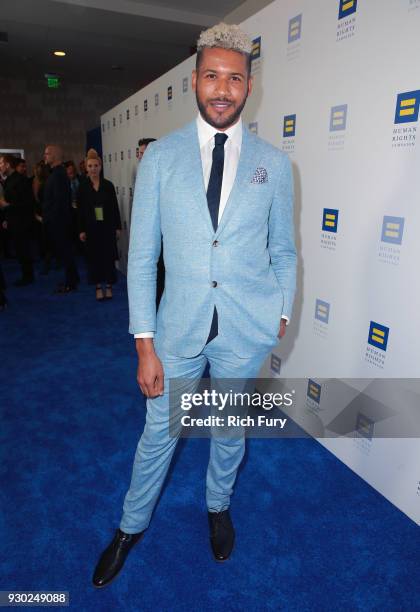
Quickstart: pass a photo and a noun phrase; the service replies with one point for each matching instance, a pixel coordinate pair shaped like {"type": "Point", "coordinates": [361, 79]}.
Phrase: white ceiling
{"type": "Point", "coordinates": [144, 39]}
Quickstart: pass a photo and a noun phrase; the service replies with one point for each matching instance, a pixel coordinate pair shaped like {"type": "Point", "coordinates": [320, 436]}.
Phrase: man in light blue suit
{"type": "Point", "coordinates": [222, 201]}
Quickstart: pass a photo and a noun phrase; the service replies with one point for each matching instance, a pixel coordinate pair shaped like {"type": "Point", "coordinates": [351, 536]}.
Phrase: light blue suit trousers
{"type": "Point", "coordinates": [156, 445]}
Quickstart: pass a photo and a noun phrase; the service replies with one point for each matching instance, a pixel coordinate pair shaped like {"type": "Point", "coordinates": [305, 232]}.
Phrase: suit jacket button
{"type": "Point", "coordinates": [214, 284]}
{"type": "Point", "coordinates": [215, 243]}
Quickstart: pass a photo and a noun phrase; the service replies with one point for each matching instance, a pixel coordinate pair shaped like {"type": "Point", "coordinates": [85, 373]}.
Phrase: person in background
{"type": "Point", "coordinates": [160, 280]}
{"type": "Point", "coordinates": [56, 216]}
{"type": "Point", "coordinates": [18, 205]}
{"type": "Point", "coordinates": [3, 299]}
{"type": "Point", "coordinates": [45, 247]}
{"type": "Point", "coordinates": [5, 247]}
{"type": "Point", "coordinates": [143, 143]}
{"type": "Point", "coordinates": [82, 168]}
{"type": "Point", "coordinates": [21, 167]}
{"type": "Point", "coordinates": [74, 179]}
{"type": "Point", "coordinates": [99, 225]}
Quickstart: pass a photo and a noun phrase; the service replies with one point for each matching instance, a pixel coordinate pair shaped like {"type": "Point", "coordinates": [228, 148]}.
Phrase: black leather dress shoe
{"type": "Point", "coordinates": [112, 559]}
{"type": "Point", "coordinates": [222, 534]}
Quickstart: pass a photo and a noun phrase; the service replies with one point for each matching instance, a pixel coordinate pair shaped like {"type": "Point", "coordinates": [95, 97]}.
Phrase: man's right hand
{"type": "Point", "coordinates": [150, 375]}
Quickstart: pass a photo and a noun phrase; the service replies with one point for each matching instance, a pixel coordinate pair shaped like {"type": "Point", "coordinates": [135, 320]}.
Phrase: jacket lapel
{"type": "Point", "coordinates": [192, 159]}
{"type": "Point", "coordinates": [246, 165]}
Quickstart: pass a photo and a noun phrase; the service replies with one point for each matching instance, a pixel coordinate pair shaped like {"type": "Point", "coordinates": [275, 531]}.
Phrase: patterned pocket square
{"type": "Point", "coordinates": [260, 176]}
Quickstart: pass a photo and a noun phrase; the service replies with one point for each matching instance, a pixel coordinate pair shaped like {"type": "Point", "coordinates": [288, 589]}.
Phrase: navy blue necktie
{"type": "Point", "coordinates": [214, 190]}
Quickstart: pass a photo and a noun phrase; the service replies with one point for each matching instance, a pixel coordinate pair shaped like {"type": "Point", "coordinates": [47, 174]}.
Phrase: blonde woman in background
{"type": "Point", "coordinates": [99, 226]}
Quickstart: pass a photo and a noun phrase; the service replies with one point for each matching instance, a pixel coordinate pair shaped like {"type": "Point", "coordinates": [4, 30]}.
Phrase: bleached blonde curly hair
{"type": "Point", "coordinates": [227, 37]}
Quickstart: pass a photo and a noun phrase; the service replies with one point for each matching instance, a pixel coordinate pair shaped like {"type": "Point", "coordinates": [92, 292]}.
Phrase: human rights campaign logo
{"type": "Point", "coordinates": [364, 426]}
{"type": "Point", "coordinates": [275, 363]}
{"type": "Point", "coordinates": [295, 28]}
{"type": "Point", "coordinates": [407, 110]}
{"type": "Point", "coordinates": [314, 391]}
{"type": "Point", "coordinates": [378, 335]}
{"type": "Point", "coordinates": [289, 126]}
{"type": "Point", "coordinates": [392, 229]}
{"type": "Point", "coordinates": [338, 118]}
{"type": "Point", "coordinates": [330, 220]}
{"type": "Point", "coordinates": [322, 311]}
{"type": "Point", "coordinates": [346, 8]}
{"type": "Point", "coordinates": [256, 48]}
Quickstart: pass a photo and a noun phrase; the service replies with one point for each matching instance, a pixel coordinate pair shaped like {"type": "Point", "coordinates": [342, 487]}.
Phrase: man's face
{"type": "Point", "coordinates": [49, 157]}
{"type": "Point", "coordinates": [21, 168]}
{"type": "Point", "coordinates": [221, 86]}
{"type": "Point", "coordinates": [142, 149]}
{"type": "Point", "coordinates": [71, 172]}
{"type": "Point", "coordinates": [4, 167]}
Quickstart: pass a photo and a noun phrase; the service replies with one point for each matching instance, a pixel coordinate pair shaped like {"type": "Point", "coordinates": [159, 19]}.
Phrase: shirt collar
{"type": "Point", "coordinates": [206, 132]}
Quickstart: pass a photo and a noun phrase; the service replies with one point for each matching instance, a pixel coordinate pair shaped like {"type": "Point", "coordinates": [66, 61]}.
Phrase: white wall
{"type": "Point", "coordinates": [360, 63]}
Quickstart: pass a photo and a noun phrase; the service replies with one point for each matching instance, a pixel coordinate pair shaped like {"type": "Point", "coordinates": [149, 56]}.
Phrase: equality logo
{"type": "Point", "coordinates": [253, 127]}
{"type": "Point", "coordinates": [322, 311]}
{"type": "Point", "coordinates": [391, 239]}
{"type": "Point", "coordinates": [295, 29]}
{"type": "Point", "coordinates": [256, 48]}
{"type": "Point", "coordinates": [407, 108]}
{"type": "Point", "coordinates": [404, 132]}
{"type": "Point", "coordinates": [313, 391]}
{"type": "Point", "coordinates": [392, 229]}
{"type": "Point", "coordinates": [289, 126]}
{"type": "Point", "coordinates": [338, 118]}
{"type": "Point", "coordinates": [346, 8]}
{"type": "Point", "coordinates": [275, 364]}
{"type": "Point", "coordinates": [330, 220]}
{"type": "Point", "coordinates": [321, 318]}
{"type": "Point", "coordinates": [346, 27]}
{"type": "Point", "coordinates": [364, 426]}
{"type": "Point", "coordinates": [378, 335]}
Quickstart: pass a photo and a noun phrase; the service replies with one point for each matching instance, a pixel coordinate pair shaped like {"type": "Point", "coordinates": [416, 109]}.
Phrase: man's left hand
{"type": "Point", "coordinates": [282, 329]}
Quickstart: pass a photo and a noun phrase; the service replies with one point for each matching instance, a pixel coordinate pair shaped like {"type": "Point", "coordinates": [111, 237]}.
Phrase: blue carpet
{"type": "Point", "coordinates": [311, 535]}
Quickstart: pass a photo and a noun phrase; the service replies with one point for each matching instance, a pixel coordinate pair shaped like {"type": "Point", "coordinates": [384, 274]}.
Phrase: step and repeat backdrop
{"type": "Point", "coordinates": [336, 86]}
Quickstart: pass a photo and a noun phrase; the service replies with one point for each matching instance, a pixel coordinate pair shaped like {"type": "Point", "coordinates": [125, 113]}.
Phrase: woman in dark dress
{"type": "Point", "coordinates": [99, 225]}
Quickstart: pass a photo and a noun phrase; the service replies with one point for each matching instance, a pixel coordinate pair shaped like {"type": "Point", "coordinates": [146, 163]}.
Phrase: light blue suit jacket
{"type": "Point", "coordinates": [253, 262]}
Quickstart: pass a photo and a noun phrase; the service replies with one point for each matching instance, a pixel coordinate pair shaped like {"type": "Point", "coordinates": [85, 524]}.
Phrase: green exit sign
{"type": "Point", "coordinates": [53, 82]}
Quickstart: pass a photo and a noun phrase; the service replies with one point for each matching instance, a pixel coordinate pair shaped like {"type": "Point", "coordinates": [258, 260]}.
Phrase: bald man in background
{"type": "Point", "coordinates": [57, 218]}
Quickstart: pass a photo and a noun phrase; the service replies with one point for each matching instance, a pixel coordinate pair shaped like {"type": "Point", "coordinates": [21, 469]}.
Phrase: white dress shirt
{"type": "Point", "coordinates": [206, 133]}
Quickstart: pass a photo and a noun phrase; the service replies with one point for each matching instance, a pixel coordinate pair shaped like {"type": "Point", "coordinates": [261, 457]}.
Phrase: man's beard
{"type": "Point", "coordinates": [226, 122]}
